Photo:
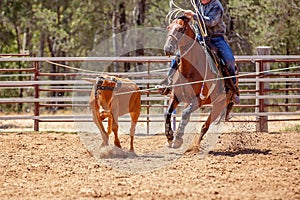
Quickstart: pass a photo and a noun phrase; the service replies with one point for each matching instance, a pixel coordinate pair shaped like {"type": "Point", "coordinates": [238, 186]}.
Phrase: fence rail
{"type": "Point", "coordinates": [260, 77]}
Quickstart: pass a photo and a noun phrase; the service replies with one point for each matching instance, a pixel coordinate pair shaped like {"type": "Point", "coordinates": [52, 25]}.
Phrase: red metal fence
{"type": "Point", "coordinates": [265, 91]}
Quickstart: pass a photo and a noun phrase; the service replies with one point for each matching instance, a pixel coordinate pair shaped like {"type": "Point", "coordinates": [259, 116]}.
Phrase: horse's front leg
{"type": "Point", "coordinates": [185, 118]}
{"type": "Point", "coordinates": [168, 129]}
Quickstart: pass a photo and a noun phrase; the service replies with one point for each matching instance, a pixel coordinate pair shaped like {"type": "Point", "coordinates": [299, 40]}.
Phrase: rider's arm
{"type": "Point", "coordinates": [213, 17]}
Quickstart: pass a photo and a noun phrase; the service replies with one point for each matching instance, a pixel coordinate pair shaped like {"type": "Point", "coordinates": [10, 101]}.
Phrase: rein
{"type": "Point", "coordinates": [190, 47]}
{"type": "Point", "coordinates": [171, 35]}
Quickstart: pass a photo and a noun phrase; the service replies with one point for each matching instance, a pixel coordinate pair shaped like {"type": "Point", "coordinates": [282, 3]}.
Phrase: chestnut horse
{"type": "Point", "coordinates": [196, 82]}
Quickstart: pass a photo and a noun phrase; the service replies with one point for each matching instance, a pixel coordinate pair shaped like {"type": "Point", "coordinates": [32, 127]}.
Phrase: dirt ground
{"type": "Point", "coordinates": [57, 165]}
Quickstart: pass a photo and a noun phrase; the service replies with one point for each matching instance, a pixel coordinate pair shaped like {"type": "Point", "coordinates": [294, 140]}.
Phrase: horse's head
{"type": "Point", "coordinates": [179, 31]}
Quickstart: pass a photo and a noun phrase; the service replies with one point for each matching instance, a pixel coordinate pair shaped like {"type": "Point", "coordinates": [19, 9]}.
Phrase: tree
{"type": "Point", "coordinates": [266, 23]}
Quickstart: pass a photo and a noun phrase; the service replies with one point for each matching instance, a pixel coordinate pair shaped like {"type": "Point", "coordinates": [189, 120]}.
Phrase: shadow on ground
{"type": "Point", "coordinates": [240, 152]}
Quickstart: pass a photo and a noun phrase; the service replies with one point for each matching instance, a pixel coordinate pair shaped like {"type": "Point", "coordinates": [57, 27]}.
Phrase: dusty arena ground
{"type": "Point", "coordinates": [57, 165]}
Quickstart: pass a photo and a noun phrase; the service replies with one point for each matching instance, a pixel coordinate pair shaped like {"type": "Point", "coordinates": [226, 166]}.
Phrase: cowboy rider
{"type": "Point", "coordinates": [212, 13]}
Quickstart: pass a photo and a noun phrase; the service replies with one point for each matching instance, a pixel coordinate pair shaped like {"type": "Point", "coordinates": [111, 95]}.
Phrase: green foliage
{"type": "Point", "coordinates": [295, 128]}
{"type": "Point", "coordinates": [75, 26]}
{"type": "Point", "coordinates": [269, 23]}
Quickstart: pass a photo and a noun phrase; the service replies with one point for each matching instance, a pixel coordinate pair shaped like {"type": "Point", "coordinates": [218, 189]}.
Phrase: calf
{"type": "Point", "coordinates": [110, 98]}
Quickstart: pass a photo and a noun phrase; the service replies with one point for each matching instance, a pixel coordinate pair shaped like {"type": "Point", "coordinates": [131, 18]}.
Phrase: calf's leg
{"type": "Point", "coordinates": [115, 128]}
{"type": "Point", "coordinates": [134, 118]}
{"type": "Point", "coordinates": [98, 120]}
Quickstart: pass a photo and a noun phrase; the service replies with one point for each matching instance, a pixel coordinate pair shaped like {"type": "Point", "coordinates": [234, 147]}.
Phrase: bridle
{"type": "Point", "coordinates": [181, 30]}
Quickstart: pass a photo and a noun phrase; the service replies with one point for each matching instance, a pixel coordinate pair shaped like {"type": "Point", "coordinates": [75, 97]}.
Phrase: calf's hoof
{"type": "Point", "coordinates": [117, 143]}
{"type": "Point", "coordinates": [177, 142]}
{"type": "Point", "coordinates": [104, 144]}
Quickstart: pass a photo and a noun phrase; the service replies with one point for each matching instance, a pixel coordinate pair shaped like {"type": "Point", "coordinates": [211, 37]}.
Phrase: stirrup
{"type": "Point", "coordinates": [236, 99]}
{"type": "Point", "coordinates": [236, 95]}
{"type": "Point", "coordinates": [164, 86]}
{"type": "Point", "coordinates": [163, 89]}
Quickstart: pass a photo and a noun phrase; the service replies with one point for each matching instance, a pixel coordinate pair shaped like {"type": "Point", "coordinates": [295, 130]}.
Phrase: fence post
{"type": "Point", "coordinates": [262, 125]}
{"type": "Point", "coordinates": [36, 96]}
{"type": "Point", "coordinates": [148, 102]}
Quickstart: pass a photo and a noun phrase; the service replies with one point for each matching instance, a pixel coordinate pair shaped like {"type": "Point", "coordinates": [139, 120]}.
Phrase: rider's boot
{"type": "Point", "coordinates": [164, 86]}
{"type": "Point", "coordinates": [236, 95]}
{"type": "Point", "coordinates": [166, 82]}
{"type": "Point", "coordinates": [232, 82]}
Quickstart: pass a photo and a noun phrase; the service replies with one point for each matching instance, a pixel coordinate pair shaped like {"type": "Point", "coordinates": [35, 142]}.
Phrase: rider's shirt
{"type": "Point", "coordinates": [213, 18]}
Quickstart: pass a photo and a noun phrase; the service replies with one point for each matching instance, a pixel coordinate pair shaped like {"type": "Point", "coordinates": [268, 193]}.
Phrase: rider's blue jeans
{"type": "Point", "coordinates": [225, 53]}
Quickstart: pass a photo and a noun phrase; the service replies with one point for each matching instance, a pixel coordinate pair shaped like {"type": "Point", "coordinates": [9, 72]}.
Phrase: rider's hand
{"type": "Point", "coordinates": [189, 14]}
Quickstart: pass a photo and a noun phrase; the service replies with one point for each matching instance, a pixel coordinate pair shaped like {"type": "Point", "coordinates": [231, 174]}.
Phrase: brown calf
{"type": "Point", "coordinates": [105, 96]}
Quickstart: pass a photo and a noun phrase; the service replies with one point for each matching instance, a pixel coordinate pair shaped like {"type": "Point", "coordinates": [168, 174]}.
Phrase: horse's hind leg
{"type": "Point", "coordinates": [217, 108]}
{"type": "Point", "coordinates": [228, 110]}
{"type": "Point", "coordinates": [168, 129]}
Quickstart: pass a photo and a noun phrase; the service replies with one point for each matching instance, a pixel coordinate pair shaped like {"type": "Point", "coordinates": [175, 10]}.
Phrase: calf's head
{"type": "Point", "coordinates": [104, 87]}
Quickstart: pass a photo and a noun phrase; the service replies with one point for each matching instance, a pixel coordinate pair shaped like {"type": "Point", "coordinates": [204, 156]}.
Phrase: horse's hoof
{"type": "Point", "coordinates": [227, 118]}
{"type": "Point", "coordinates": [169, 143]}
{"type": "Point", "coordinates": [192, 150]}
{"type": "Point", "coordinates": [177, 142]}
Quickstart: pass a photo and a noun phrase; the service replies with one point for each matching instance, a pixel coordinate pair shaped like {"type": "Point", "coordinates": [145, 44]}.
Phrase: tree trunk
{"type": "Point", "coordinates": [140, 22]}
{"type": "Point", "coordinates": [114, 34]}
{"type": "Point", "coordinates": [123, 29]}
{"type": "Point", "coordinates": [20, 105]}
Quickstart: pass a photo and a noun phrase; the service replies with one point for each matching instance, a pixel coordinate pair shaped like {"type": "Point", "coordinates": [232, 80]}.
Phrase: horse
{"type": "Point", "coordinates": [105, 102]}
{"type": "Point", "coordinates": [196, 82]}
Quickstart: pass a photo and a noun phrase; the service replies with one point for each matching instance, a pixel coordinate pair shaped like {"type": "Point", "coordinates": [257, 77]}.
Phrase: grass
{"type": "Point", "coordinates": [295, 128]}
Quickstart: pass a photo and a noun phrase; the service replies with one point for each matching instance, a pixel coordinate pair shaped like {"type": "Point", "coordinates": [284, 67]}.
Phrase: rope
{"type": "Point", "coordinates": [106, 73]}
{"type": "Point", "coordinates": [176, 85]}
{"type": "Point", "coordinates": [69, 67]}
{"type": "Point", "coordinates": [199, 16]}
{"type": "Point", "coordinates": [202, 87]}
{"type": "Point", "coordinates": [191, 46]}
{"type": "Point", "coordinates": [208, 80]}
{"type": "Point", "coordinates": [176, 10]}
